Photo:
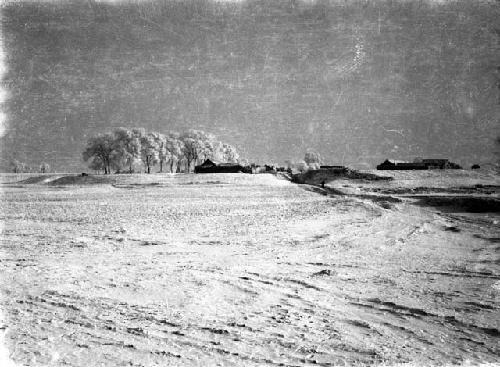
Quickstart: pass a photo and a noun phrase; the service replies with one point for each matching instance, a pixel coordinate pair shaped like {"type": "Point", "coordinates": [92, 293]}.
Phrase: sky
{"type": "Point", "coordinates": [357, 81]}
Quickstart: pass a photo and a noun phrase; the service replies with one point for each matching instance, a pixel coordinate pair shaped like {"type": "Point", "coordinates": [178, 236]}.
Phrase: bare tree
{"type": "Point", "coordinates": [197, 145]}
{"type": "Point", "coordinates": [17, 166]}
{"type": "Point", "coordinates": [124, 147]}
{"type": "Point", "coordinates": [96, 164]}
{"type": "Point", "coordinates": [44, 167]}
{"type": "Point", "coordinates": [127, 146]}
{"type": "Point", "coordinates": [312, 157]}
{"type": "Point", "coordinates": [149, 150]}
{"type": "Point", "coordinates": [301, 166]}
{"type": "Point", "coordinates": [227, 153]}
{"type": "Point", "coordinates": [100, 150]}
{"type": "Point", "coordinates": [175, 147]}
{"type": "Point", "coordinates": [163, 152]}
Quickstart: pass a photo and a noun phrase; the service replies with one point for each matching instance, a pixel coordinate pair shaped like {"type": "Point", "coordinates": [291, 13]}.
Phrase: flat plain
{"type": "Point", "coordinates": [250, 270]}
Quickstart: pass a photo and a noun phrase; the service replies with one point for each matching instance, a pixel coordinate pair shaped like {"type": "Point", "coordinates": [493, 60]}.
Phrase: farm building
{"type": "Point", "coordinates": [418, 165]}
{"type": "Point", "coordinates": [255, 168]}
{"type": "Point", "coordinates": [440, 164]}
{"type": "Point", "coordinates": [335, 169]}
{"type": "Point", "coordinates": [401, 165]}
{"type": "Point", "coordinates": [210, 166]}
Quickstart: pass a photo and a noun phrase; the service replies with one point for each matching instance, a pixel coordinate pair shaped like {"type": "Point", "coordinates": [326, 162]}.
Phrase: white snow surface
{"type": "Point", "coordinates": [242, 270]}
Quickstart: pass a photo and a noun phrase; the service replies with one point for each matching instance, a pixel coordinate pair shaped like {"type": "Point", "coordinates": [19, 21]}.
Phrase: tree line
{"type": "Point", "coordinates": [17, 166]}
{"type": "Point", "coordinates": [122, 149]}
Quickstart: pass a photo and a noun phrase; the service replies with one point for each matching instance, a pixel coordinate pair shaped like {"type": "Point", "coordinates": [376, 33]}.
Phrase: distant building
{"type": "Point", "coordinates": [420, 164]}
{"type": "Point", "coordinates": [401, 165]}
{"type": "Point", "coordinates": [436, 163]}
{"type": "Point", "coordinates": [335, 169]}
{"type": "Point", "coordinates": [440, 164]}
{"type": "Point", "coordinates": [454, 166]}
{"type": "Point", "coordinates": [210, 166]}
{"type": "Point", "coordinates": [258, 169]}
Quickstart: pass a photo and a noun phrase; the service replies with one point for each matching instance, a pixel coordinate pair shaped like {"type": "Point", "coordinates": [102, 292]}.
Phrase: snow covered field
{"type": "Point", "coordinates": [244, 270]}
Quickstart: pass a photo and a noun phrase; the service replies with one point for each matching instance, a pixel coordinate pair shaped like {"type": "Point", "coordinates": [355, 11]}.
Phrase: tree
{"type": "Point", "coordinates": [227, 153]}
{"type": "Point", "coordinates": [44, 167]}
{"type": "Point", "coordinates": [149, 150]}
{"type": "Point", "coordinates": [100, 152]}
{"type": "Point", "coordinates": [197, 145]}
{"type": "Point", "coordinates": [163, 152]}
{"type": "Point", "coordinates": [301, 166]}
{"type": "Point", "coordinates": [127, 146]}
{"type": "Point", "coordinates": [96, 164]}
{"type": "Point", "coordinates": [175, 148]}
{"type": "Point", "coordinates": [189, 151]}
{"type": "Point", "coordinates": [312, 157]}
{"type": "Point", "coordinates": [17, 166]}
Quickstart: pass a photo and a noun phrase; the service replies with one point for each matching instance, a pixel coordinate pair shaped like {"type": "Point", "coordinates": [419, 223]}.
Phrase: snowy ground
{"type": "Point", "coordinates": [244, 270]}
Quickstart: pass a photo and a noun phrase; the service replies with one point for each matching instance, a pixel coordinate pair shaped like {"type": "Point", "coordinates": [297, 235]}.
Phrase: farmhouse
{"type": "Point", "coordinates": [210, 166]}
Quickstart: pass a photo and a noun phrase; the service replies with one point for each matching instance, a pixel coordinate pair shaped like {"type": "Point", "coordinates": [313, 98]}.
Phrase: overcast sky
{"type": "Point", "coordinates": [359, 81]}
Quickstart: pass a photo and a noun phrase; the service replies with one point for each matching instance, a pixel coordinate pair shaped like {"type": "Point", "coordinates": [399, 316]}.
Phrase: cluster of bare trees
{"type": "Point", "coordinates": [121, 149]}
{"type": "Point", "coordinates": [312, 160]}
{"type": "Point", "coordinates": [20, 167]}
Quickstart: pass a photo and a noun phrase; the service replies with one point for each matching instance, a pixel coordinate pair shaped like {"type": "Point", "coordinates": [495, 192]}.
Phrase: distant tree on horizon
{"type": "Point", "coordinates": [18, 166]}
{"type": "Point", "coordinates": [100, 152]}
{"type": "Point", "coordinates": [123, 147]}
{"type": "Point", "coordinates": [96, 164]}
{"type": "Point", "coordinates": [231, 154]}
{"type": "Point", "coordinates": [149, 150]}
{"type": "Point", "coordinates": [44, 167]}
{"type": "Point", "coordinates": [198, 145]}
{"type": "Point", "coordinates": [302, 166]}
{"type": "Point", "coordinates": [175, 147]}
{"type": "Point", "coordinates": [127, 147]}
{"type": "Point", "coordinates": [163, 153]}
{"type": "Point", "coordinates": [312, 156]}
{"type": "Point", "coordinates": [227, 153]}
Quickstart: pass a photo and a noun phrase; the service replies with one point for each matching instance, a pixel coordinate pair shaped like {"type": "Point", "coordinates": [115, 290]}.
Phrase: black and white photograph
{"type": "Point", "coordinates": [251, 183]}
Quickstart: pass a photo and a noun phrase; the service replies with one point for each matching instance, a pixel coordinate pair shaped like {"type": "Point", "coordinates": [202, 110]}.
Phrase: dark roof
{"type": "Point", "coordinates": [410, 164]}
{"type": "Point", "coordinates": [434, 160]}
{"type": "Point", "coordinates": [212, 163]}
{"type": "Point", "coordinates": [396, 161]}
{"type": "Point", "coordinates": [208, 162]}
{"type": "Point", "coordinates": [228, 164]}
